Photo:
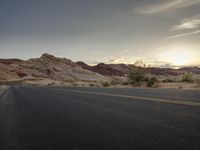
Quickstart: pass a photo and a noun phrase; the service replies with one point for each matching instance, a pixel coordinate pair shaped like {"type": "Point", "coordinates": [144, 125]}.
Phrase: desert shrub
{"type": "Point", "coordinates": [91, 84]}
{"type": "Point", "coordinates": [146, 79]}
{"type": "Point", "coordinates": [168, 80]}
{"type": "Point", "coordinates": [115, 81]}
{"type": "Point", "coordinates": [137, 73]}
{"type": "Point", "coordinates": [187, 77]}
{"type": "Point", "coordinates": [197, 80]}
{"type": "Point", "coordinates": [180, 87]}
{"type": "Point", "coordinates": [198, 85]}
{"type": "Point", "coordinates": [152, 81]}
{"type": "Point", "coordinates": [125, 83]}
{"type": "Point", "coordinates": [106, 84]}
{"type": "Point", "coordinates": [156, 85]}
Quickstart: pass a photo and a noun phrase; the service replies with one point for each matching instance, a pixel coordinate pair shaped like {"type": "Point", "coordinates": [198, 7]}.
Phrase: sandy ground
{"type": "Point", "coordinates": [50, 82]}
{"type": "Point", "coordinates": [181, 85]}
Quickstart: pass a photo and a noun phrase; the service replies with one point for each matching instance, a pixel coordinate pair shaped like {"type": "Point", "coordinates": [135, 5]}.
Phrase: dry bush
{"type": "Point", "coordinates": [115, 81]}
{"type": "Point", "coordinates": [105, 84]}
{"type": "Point", "coordinates": [156, 85]}
{"type": "Point", "coordinates": [187, 77]}
{"type": "Point", "coordinates": [124, 83]}
{"type": "Point", "coordinates": [152, 81]}
{"type": "Point", "coordinates": [137, 73]}
{"type": "Point", "coordinates": [168, 80]}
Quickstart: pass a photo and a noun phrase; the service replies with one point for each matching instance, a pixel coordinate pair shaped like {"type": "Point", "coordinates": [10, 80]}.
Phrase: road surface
{"type": "Point", "coordinates": [44, 118]}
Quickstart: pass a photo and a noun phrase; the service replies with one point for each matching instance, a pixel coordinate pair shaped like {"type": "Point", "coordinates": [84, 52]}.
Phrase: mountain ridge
{"type": "Point", "coordinates": [122, 69]}
{"type": "Point", "coordinates": [55, 69]}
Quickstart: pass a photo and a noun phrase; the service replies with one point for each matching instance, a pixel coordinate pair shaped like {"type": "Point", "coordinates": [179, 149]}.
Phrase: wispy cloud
{"type": "Point", "coordinates": [116, 60]}
{"type": "Point", "coordinates": [167, 5]}
{"type": "Point", "coordinates": [119, 57]}
{"type": "Point", "coordinates": [182, 35]}
{"type": "Point", "coordinates": [188, 23]}
{"type": "Point", "coordinates": [126, 56]}
{"type": "Point", "coordinates": [124, 52]}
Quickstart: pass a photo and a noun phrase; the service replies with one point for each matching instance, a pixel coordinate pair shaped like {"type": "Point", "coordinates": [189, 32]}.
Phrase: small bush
{"type": "Point", "coordinates": [137, 73]}
{"type": "Point", "coordinates": [180, 87]}
{"type": "Point", "coordinates": [156, 85]}
{"type": "Point", "coordinates": [168, 80]}
{"type": "Point", "coordinates": [91, 84]}
{"type": "Point", "coordinates": [146, 79]}
{"type": "Point", "coordinates": [152, 81]}
{"type": "Point", "coordinates": [187, 77]}
{"type": "Point", "coordinates": [125, 83]}
{"type": "Point", "coordinates": [115, 81]}
{"type": "Point", "coordinates": [198, 85]}
{"type": "Point", "coordinates": [106, 84]}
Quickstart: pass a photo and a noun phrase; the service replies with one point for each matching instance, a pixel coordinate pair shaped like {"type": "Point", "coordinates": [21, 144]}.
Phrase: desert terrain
{"type": "Point", "coordinates": [53, 71]}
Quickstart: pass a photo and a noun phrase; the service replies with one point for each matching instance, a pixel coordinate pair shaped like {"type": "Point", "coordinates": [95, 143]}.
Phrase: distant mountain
{"type": "Point", "coordinates": [106, 69]}
{"type": "Point", "coordinates": [163, 71]}
{"type": "Point", "coordinates": [190, 69]}
{"type": "Point", "coordinates": [122, 69]}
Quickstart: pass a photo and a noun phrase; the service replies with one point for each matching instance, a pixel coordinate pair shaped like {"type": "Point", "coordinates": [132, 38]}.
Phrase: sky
{"type": "Point", "coordinates": [161, 33]}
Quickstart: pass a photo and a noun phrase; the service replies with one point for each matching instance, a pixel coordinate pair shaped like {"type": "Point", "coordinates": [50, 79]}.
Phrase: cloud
{"type": "Point", "coordinates": [120, 57]}
{"type": "Point", "coordinates": [188, 23]}
{"type": "Point", "coordinates": [117, 60]}
{"type": "Point", "coordinates": [124, 52]}
{"type": "Point", "coordinates": [182, 35]}
{"type": "Point", "coordinates": [166, 6]}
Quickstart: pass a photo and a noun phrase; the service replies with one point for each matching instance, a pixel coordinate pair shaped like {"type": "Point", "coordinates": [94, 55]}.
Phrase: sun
{"type": "Point", "coordinates": [178, 56]}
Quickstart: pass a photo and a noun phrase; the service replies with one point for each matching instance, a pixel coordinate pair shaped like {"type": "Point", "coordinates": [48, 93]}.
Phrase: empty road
{"type": "Point", "coordinates": [44, 118]}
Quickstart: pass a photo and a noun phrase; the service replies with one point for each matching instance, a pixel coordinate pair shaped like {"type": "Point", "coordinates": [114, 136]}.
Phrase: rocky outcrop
{"type": "Point", "coordinates": [48, 67]}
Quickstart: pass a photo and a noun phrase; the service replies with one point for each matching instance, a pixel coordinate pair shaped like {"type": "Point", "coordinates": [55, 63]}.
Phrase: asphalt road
{"type": "Point", "coordinates": [43, 118]}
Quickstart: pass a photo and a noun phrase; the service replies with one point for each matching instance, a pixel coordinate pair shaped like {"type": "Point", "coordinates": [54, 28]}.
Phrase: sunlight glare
{"type": "Point", "coordinates": [179, 56]}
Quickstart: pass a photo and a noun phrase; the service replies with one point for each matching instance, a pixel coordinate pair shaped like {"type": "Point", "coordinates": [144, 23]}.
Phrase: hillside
{"type": "Point", "coordinates": [47, 67]}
